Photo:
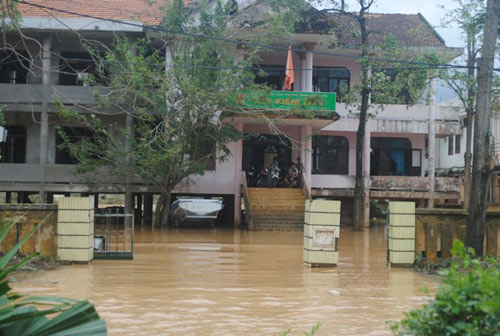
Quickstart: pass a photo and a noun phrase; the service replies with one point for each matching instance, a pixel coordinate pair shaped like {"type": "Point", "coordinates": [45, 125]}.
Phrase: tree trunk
{"type": "Point", "coordinates": [360, 192]}
{"type": "Point", "coordinates": [162, 210]}
{"type": "Point", "coordinates": [481, 160]}
{"type": "Point", "coordinates": [468, 157]}
{"type": "Point", "coordinates": [471, 63]}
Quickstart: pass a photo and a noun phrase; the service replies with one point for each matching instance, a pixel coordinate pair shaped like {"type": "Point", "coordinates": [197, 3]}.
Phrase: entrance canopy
{"type": "Point", "coordinates": [289, 107]}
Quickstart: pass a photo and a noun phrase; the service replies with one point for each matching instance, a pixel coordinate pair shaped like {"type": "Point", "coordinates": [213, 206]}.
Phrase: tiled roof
{"type": "Point", "coordinates": [132, 10]}
{"type": "Point", "coordinates": [410, 30]}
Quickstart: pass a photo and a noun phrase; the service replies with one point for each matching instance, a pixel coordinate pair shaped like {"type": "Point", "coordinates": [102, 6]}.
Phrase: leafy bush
{"type": "Point", "coordinates": [25, 315]}
{"type": "Point", "coordinates": [467, 303]}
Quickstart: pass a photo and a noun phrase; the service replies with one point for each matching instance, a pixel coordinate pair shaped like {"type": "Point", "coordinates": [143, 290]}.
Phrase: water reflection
{"type": "Point", "coordinates": [228, 282]}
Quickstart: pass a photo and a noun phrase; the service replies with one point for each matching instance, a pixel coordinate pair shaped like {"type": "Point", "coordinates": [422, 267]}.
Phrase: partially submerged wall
{"type": "Point", "coordinates": [43, 240]}
{"type": "Point", "coordinates": [435, 230]}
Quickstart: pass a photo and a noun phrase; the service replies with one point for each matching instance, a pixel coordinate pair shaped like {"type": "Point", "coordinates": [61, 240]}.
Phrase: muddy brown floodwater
{"type": "Point", "coordinates": [225, 282]}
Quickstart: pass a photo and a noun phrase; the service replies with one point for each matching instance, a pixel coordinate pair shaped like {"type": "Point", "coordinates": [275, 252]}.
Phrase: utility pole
{"type": "Point", "coordinates": [44, 118]}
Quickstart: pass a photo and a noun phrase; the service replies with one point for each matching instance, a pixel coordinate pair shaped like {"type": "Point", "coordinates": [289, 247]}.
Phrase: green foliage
{"type": "Point", "coordinates": [466, 303]}
{"type": "Point", "coordinates": [313, 331]}
{"type": "Point", "coordinates": [9, 15]}
{"type": "Point", "coordinates": [398, 83]}
{"type": "Point", "coordinates": [40, 315]}
{"type": "Point", "coordinates": [178, 109]}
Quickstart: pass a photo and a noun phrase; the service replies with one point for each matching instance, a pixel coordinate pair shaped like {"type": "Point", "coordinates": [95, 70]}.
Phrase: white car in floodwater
{"type": "Point", "coordinates": [195, 210]}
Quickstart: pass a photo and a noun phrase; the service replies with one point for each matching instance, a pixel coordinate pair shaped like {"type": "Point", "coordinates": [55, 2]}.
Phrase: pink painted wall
{"type": "Point", "coordinates": [347, 181]}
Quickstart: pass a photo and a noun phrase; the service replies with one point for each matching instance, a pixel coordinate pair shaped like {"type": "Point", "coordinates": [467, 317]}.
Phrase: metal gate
{"type": "Point", "coordinates": [113, 236]}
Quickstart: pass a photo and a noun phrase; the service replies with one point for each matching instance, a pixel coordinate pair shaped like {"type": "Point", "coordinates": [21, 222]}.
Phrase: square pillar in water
{"type": "Point", "coordinates": [321, 233]}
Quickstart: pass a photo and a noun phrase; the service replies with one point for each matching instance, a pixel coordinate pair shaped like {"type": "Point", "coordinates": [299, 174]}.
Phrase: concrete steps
{"type": "Point", "coordinates": [277, 208]}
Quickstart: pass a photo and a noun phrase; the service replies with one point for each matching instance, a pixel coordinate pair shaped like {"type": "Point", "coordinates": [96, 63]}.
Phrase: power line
{"type": "Point", "coordinates": [238, 42]}
{"type": "Point", "coordinates": [215, 67]}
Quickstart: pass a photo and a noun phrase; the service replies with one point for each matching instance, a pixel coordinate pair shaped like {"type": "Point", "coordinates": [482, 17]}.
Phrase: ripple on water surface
{"type": "Point", "coordinates": [225, 282]}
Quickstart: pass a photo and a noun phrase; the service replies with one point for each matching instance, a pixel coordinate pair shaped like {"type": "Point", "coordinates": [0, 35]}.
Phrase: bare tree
{"type": "Point", "coordinates": [481, 161]}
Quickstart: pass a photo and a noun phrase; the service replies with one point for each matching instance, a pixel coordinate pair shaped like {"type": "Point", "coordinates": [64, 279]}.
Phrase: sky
{"type": "Point", "coordinates": [429, 9]}
{"type": "Point", "coordinates": [434, 15]}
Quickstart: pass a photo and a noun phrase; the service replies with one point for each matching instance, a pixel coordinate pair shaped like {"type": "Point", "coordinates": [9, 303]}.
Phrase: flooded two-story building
{"type": "Point", "coordinates": [51, 60]}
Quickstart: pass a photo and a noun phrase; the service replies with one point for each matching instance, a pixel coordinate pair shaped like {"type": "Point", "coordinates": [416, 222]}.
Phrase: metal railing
{"type": "Point", "coordinates": [113, 236]}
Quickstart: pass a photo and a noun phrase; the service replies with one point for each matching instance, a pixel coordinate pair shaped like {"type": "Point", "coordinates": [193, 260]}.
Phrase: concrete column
{"type": "Point", "coordinates": [148, 210]}
{"type": "Point", "coordinates": [303, 144]}
{"type": "Point", "coordinates": [302, 77]}
{"type": "Point", "coordinates": [432, 144]}
{"type": "Point", "coordinates": [44, 118]}
{"type": "Point", "coordinates": [308, 66]}
{"type": "Point", "coordinates": [366, 175]}
{"type": "Point", "coordinates": [138, 211]}
{"type": "Point", "coordinates": [308, 155]}
{"type": "Point", "coordinates": [239, 55]}
{"type": "Point", "coordinates": [129, 197]}
{"type": "Point", "coordinates": [238, 157]}
{"type": "Point", "coordinates": [168, 57]}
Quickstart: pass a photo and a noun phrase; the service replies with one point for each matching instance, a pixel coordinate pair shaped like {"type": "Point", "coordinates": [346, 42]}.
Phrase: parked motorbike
{"type": "Point", "coordinates": [274, 175]}
{"type": "Point", "coordinates": [269, 177]}
{"type": "Point", "coordinates": [252, 176]}
{"type": "Point", "coordinates": [263, 177]}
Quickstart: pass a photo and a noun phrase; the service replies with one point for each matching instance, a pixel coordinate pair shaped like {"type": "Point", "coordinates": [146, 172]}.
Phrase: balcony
{"type": "Point", "coordinates": [60, 178]}
{"type": "Point", "coordinates": [29, 97]}
{"type": "Point", "coordinates": [401, 187]}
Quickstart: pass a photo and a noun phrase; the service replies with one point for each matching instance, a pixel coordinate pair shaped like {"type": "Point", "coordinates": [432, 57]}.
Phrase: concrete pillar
{"type": "Point", "coordinates": [308, 156]}
{"type": "Point", "coordinates": [308, 87]}
{"type": "Point", "coordinates": [129, 198]}
{"type": "Point", "coordinates": [302, 78]}
{"type": "Point", "coordinates": [168, 57]}
{"type": "Point", "coordinates": [148, 210]}
{"type": "Point", "coordinates": [44, 118]}
{"type": "Point", "coordinates": [239, 55]}
{"type": "Point", "coordinates": [432, 144]}
{"type": "Point", "coordinates": [138, 211]}
{"type": "Point", "coordinates": [302, 140]}
{"type": "Point", "coordinates": [238, 157]}
{"type": "Point", "coordinates": [366, 175]}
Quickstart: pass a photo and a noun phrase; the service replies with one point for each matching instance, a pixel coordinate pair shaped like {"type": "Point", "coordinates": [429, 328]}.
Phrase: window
{"type": "Point", "coordinates": [386, 90]}
{"type": "Point", "coordinates": [207, 153]}
{"type": "Point", "coordinates": [327, 79]}
{"type": "Point", "coordinates": [14, 68]}
{"type": "Point", "coordinates": [274, 76]}
{"type": "Point", "coordinates": [14, 149]}
{"type": "Point", "coordinates": [75, 134]}
{"type": "Point", "coordinates": [75, 68]}
{"type": "Point", "coordinates": [450, 145]}
{"type": "Point", "coordinates": [330, 155]}
{"type": "Point", "coordinates": [392, 157]}
{"type": "Point", "coordinates": [457, 144]}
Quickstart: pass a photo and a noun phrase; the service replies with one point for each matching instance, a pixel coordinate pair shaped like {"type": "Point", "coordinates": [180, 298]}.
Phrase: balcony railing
{"type": "Point", "coordinates": [414, 183]}
{"type": "Point", "coordinates": [33, 94]}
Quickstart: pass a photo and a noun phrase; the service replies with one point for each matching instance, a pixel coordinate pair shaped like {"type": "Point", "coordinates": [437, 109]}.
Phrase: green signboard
{"type": "Point", "coordinates": [286, 100]}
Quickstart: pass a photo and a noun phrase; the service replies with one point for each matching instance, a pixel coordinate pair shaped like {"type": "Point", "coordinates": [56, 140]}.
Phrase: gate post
{"type": "Point", "coordinates": [401, 233]}
{"type": "Point", "coordinates": [75, 229]}
{"type": "Point", "coordinates": [321, 232]}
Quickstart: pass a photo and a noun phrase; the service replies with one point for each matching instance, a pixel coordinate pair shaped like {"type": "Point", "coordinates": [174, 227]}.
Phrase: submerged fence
{"type": "Point", "coordinates": [433, 232]}
{"type": "Point", "coordinates": [113, 236]}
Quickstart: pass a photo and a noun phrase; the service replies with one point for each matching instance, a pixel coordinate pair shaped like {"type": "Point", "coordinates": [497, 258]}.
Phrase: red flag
{"type": "Point", "coordinates": [289, 74]}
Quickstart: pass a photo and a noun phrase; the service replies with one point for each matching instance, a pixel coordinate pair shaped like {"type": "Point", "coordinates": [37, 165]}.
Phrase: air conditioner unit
{"type": "Point", "coordinates": [3, 134]}
{"type": "Point", "coordinates": [83, 78]}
